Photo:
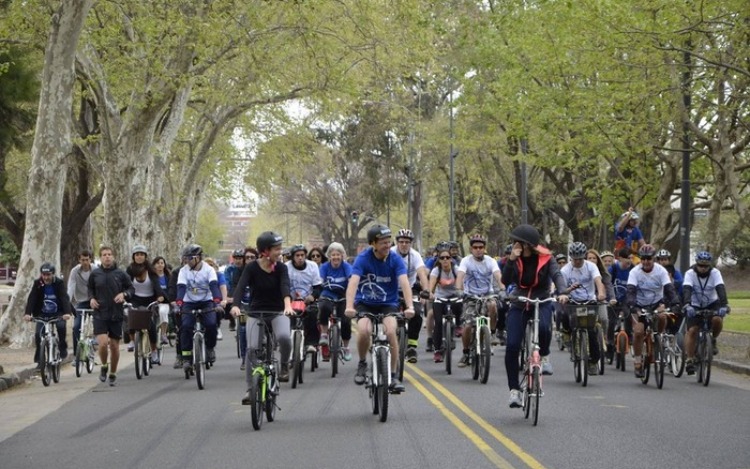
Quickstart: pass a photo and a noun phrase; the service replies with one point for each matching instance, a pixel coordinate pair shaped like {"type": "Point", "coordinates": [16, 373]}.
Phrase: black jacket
{"type": "Point", "coordinates": [36, 298]}
{"type": "Point", "coordinates": [104, 285]}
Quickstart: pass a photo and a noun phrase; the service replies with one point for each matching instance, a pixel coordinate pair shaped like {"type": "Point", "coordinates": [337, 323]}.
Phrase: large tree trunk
{"type": "Point", "coordinates": [50, 152]}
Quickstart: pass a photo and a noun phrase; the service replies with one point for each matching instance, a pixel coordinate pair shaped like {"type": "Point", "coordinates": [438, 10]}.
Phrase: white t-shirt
{"type": "Point", "coordinates": [197, 282]}
{"type": "Point", "coordinates": [585, 277]}
{"type": "Point", "coordinates": [478, 275]}
{"type": "Point", "coordinates": [301, 282]}
{"type": "Point", "coordinates": [704, 289]}
{"type": "Point", "coordinates": [649, 285]}
{"type": "Point", "coordinates": [446, 282]}
{"type": "Point", "coordinates": [413, 261]}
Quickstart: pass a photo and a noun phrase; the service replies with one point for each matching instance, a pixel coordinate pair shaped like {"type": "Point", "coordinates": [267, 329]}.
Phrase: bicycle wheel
{"type": "Point", "coordinates": [647, 358]}
{"type": "Point", "coordinates": [334, 347]}
{"type": "Point", "coordinates": [524, 381]}
{"type": "Point", "coordinates": [256, 400]}
{"type": "Point", "coordinates": [474, 359]}
{"type": "Point", "coordinates": [199, 360]}
{"type": "Point", "coordinates": [271, 391]}
{"type": "Point", "coordinates": [602, 349]}
{"type": "Point", "coordinates": [584, 363]}
{"type": "Point", "coordinates": [44, 354]}
{"type": "Point", "coordinates": [576, 346]}
{"type": "Point", "coordinates": [658, 362]}
{"type": "Point", "coordinates": [523, 353]}
{"type": "Point", "coordinates": [297, 364]}
{"type": "Point", "coordinates": [448, 345]}
{"type": "Point", "coordinates": [237, 341]}
{"type": "Point", "coordinates": [81, 358]}
{"type": "Point", "coordinates": [90, 358]}
{"type": "Point", "coordinates": [485, 354]}
{"type": "Point", "coordinates": [314, 357]}
{"type": "Point", "coordinates": [535, 393]}
{"type": "Point", "coordinates": [401, 331]}
{"type": "Point", "coordinates": [706, 359]}
{"type": "Point", "coordinates": [372, 388]}
{"type": "Point", "coordinates": [137, 355]}
{"type": "Point", "coordinates": [622, 347]}
{"type": "Point", "coordinates": [382, 392]}
{"type": "Point", "coordinates": [145, 346]}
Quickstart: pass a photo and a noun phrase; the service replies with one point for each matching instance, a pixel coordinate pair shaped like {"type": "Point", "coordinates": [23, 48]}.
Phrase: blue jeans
{"type": "Point", "coordinates": [188, 325]}
{"type": "Point", "coordinates": [515, 326]}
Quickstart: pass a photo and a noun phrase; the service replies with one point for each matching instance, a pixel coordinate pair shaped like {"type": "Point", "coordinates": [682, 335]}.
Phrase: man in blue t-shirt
{"type": "Point", "coordinates": [627, 233]}
{"type": "Point", "coordinates": [373, 288]}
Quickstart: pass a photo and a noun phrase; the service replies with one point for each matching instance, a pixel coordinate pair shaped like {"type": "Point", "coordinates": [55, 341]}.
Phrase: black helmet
{"type": "Point", "coordinates": [267, 240]}
{"type": "Point", "coordinates": [238, 253]}
{"type": "Point", "coordinates": [477, 238]}
{"type": "Point", "coordinates": [297, 248]}
{"type": "Point", "coordinates": [377, 232]}
{"type": "Point", "coordinates": [647, 250]}
{"type": "Point", "coordinates": [47, 268]}
{"type": "Point", "coordinates": [525, 234]}
{"type": "Point", "coordinates": [192, 250]}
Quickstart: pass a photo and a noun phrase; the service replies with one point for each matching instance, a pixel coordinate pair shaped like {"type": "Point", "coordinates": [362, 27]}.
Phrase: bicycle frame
{"type": "Point", "coordinates": [379, 341]}
{"type": "Point", "coordinates": [85, 351]}
{"type": "Point", "coordinates": [49, 356]}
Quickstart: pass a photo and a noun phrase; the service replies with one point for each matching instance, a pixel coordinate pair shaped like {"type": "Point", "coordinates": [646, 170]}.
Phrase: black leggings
{"type": "Point", "coordinates": [437, 314]}
{"type": "Point", "coordinates": [326, 307]}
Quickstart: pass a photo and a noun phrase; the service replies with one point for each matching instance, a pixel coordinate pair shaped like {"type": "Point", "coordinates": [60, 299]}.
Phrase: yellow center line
{"type": "Point", "coordinates": [486, 449]}
{"type": "Point", "coordinates": [486, 426]}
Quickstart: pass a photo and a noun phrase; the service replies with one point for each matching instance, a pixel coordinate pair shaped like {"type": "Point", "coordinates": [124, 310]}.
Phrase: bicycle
{"type": "Point", "coordinates": [86, 351]}
{"type": "Point", "coordinates": [378, 378]}
{"type": "Point", "coordinates": [298, 343]}
{"type": "Point", "coordinates": [673, 352]}
{"type": "Point", "coordinates": [622, 341]}
{"type": "Point", "coordinates": [449, 325]}
{"type": "Point", "coordinates": [583, 317]}
{"type": "Point", "coordinates": [49, 350]}
{"type": "Point", "coordinates": [199, 364]}
{"type": "Point", "coordinates": [335, 347]}
{"type": "Point", "coordinates": [141, 319]}
{"type": "Point", "coordinates": [264, 385]}
{"type": "Point", "coordinates": [480, 349]}
{"type": "Point", "coordinates": [531, 362]}
{"type": "Point", "coordinates": [704, 355]}
{"type": "Point", "coordinates": [654, 351]}
{"type": "Point", "coordinates": [402, 332]}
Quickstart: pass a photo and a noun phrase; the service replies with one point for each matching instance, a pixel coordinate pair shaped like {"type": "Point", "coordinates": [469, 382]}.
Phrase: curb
{"type": "Point", "coordinates": [733, 366]}
{"type": "Point", "coordinates": [10, 380]}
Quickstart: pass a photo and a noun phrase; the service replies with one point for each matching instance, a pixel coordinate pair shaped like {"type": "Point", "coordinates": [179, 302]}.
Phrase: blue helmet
{"type": "Point", "coordinates": [704, 257]}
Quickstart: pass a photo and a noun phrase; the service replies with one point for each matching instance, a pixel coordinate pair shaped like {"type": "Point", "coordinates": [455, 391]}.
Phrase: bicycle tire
{"type": "Point", "coordinates": [199, 361]}
{"type": "Point", "coordinates": [678, 360]}
{"type": "Point", "coordinates": [314, 357]}
{"type": "Point", "coordinates": [137, 355]}
{"type": "Point", "coordinates": [584, 338]}
{"type": "Point", "coordinates": [373, 389]}
{"type": "Point", "coordinates": [296, 358]}
{"type": "Point", "coordinates": [622, 348]}
{"type": "Point", "coordinates": [237, 341]}
{"type": "Point", "coordinates": [602, 349]}
{"type": "Point", "coordinates": [334, 349]}
{"type": "Point", "coordinates": [647, 358]}
{"type": "Point", "coordinates": [43, 369]}
{"type": "Point", "coordinates": [382, 392]}
{"type": "Point", "coordinates": [55, 361]}
{"type": "Point", "coordinates": [523, 352]}
{"type": "Point", "coordinates": [80, 362]}
{"type": "Point", "coordinates": [270, 404]}
{"type": "Point", "coordinates": [485, 356]}
{"type": "Point", "coordinates": [658, 362]}
{"type": "Point", "coordinates": [401, 331]}
{"type": "Point", "coordinates": [256, 401]}
{"type": "Point", "coordinates": [145, 346]}
{"type": "Point", "coordinates": [474, 359]}
{"type": "Point", "coordinates": [524, 381]}
{"type": "Point", "coordinates": [576, 351]}
{"type": "Point", "coordinates": [535, 393]}
{"type": "Point", "coordinates": [707, 358]}
{"type": "Point", "coordinates": [448, 346]}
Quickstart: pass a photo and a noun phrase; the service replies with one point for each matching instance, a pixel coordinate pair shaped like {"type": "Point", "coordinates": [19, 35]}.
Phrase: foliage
{"type": "Point", "coordinates": [9, 253]}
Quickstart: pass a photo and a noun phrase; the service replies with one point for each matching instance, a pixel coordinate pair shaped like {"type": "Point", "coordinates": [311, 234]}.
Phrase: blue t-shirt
{"type": "Point", "coordinates": [378, 282]}
{"type": "Point", "coordinates": [620, 280]}
{"type": "Point", "coordinates": [163, 282]}
{"type": "Point", "coordinates": [430, 262]}
{"type": "Point", "coordinates": [221, 278]}
{"type": "Point", "coordinates": [335, 280]}
{"type": "Point", "coordinates": [631, 234]}
{"type": "Point", "coordinates": [50, 300]}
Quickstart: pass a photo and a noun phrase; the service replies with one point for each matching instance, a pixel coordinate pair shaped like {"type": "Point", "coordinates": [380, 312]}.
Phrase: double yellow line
{"type": "Point", "coordinates": [482, 445]}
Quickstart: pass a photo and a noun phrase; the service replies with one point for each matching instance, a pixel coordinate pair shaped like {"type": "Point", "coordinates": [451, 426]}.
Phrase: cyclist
{"type": "Point", "coordinates": [592, 255]}
{"type": "Point", "coordinates": [627, 233]}
{"type": "Point", "coordinates": [164, 272]}
{"type": "Point", "coordinates": [147, 290]}
{"type": "Point", "coordinates": [316, 255]}
{"type": "Point", "coordinates": [607, 258]}
{"type": "Point", "coordinates": [48, 298]}
{"type": "Point", "coordinates": [664, 258]}
{"type": "Point", "coordinates": [232, 274]}
{"type": "Point", "coordinates": [443, 285]}
{"type": "Point", "coordinates": [197, 288]}
{"type": "Point", "coordinates": [335, 274]}
{"type": "Point", "coordinates": [78, 291]}
{"type": "Point", "coordinates": [224, 294]}
{"type": "Point", "coordinates": [415, 270]}
{"type": "Point", "coordinates": [268, 279]}
{"type": "Point", "coordinates": [584, 285]}
{"type": "Point", "coordinates": [649, 287]}
{"type": "Point", "coordinates": [703, 289]}
{"type": "Point", "coordinates": [474, 278]}
{"type": "Point", "coordinates": [305, 284]}
{"type": "Point", "coordinates": [251, 254]}
{"type": "Point", "coordinates": [109, 289]}
{"type": "Point", "coordinates": [620, 272]}
{"type": "Point", "coordinates": [531, 269]}
{"type": "Point", "coordinates": [373, 287]}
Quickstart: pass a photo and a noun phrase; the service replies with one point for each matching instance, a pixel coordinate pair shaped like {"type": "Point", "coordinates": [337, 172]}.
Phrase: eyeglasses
{"type": "Point", "coordinates": [443, 258]}
{"type": "Point", "coordinates": [647, 258]}
{"type": "Point", "coordinates": [250, 258]}
{"type": "Point", "coordinates": [315, 256]}
{"type": "Point", "coordinates": [478, 246]}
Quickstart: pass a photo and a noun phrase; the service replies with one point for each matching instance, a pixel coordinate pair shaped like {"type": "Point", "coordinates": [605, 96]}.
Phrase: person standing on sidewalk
{"type": "Point", "coordinates": [48, 298]}
{"type": "Point", "coordinates": [78, 291]}
{"type": "Point", "coordinates": [109, 289]}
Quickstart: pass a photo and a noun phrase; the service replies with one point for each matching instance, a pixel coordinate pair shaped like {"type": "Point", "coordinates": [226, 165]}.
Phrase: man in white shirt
{"type": "Point", "coordinates": [415, 269]}
{"type": "Point", "coordinates": [305, 284]}
{"type": "Point", "coordinates": [78, 291]}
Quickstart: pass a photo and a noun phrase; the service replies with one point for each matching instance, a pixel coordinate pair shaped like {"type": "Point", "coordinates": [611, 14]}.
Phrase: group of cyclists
{"type": "Point", "coordinates": [388, 278]}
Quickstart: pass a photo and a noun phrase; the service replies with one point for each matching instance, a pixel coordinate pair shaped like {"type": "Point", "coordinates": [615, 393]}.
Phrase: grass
{"type": "Point", "coordinates": [739, 319]}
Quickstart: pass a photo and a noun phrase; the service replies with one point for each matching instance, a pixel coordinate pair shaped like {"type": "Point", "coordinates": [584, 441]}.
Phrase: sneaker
{"type": "Point", "coordinates": [690, 366]}
{"type": "Point", "coordinates": [232, 328]}
{"type": "Point", "coordinates": [112, 379]}
{"type": "Point", "coordinates": [593, 368]}
{"type": "Point", "coordinates": [131, 347]}
{"type": "Point", "coordinates": [502, 336]}
{"type": "Point", "coordinates": [284, 373]}
{"type": "Point", "coordinates": [713, 346]}
{"type": "Point", "coordinates": [103, 374]}
{"type": "Point", "coordinates": [546, 366]}
{"type": "Point", "coordinates": [430, 345]}
{"type": "Point", "coordinates": [219, 335]}
{"type": "Point", "coordinates": [397, 387]}
{"type": "Point", "coordinates": [177, 364]}
{"type": "Point", "coordinates": [411, 355]}
{"type": "Point", "coordinates": [438, 357]}
{"type": "Point", "coordinates": [464, 361]}
{"type": "Point", "coordinates": [459, 331]}
{"type": "Point", "coordinates": [325, 351]}
{"type": "Point", "coordinates": [347, 354]}
{"type": "Point", "coordinates": [64, 353]}
{"type": "Point", "coordinates": [359, 378]}
{"type": "Point", "coordinates": [515, 401]}
{"type": "Point", "coordinates": [246, 398]}
{"type": "Point", "coordinates": [242, 366]}
{"type": "Point", "coordinates": [311, 349]}
{"type": "Point", "coordinates": [638, 368]}
{"type": "Point", "coordinates": [323, 339]}
{"type": "Point", "coordinates": [164, 340]}
{"type": "Point", "coordinates": [154, 358]}
{"type": "Point", "coordinates": [187, 365]}
{"type": "Point", "coordinates": [495, 340]}
{"type": "Point", "coordinates": [211, 355]}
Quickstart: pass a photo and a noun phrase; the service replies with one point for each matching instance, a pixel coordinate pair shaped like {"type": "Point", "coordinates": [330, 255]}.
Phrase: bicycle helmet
{"type": "Point", "coordinates": [47, 268]}
{"type": "Point", "coordinates": [139, 248]}
{"type": "Point", "coordinates": [405, 233]}
{"type": "Point", "coordinates": [238, 253]}
{"type": "Point", "coordinates": [477, 238]}
{"type": "Point", "coordinates": [635, 216]}
{"type": "Point", "coordinates": [561, 257]}
{"type": "Point", "coordinates": [443, 246]}
{"type": "Point", "coordinates": [606, 254]}
{"type": "Point", "coordinates": [192, 250]}
{"type": "Point", "coordinates": [704, 257]}
{"type": "Point", "coordinates": [297, 248]}
{"type": "Point", "coordinates": [267, 240]}
{"type": "Point", "coordinates": [452, 244]}
{"type": "Point", "coordinates": [525, 234]}
{"type": "Point", "coordinates": [577, 250]}
{"type": "Point", "coordinates": [646, 250]}
{"type": "Point", "coordinates": [377, 232]}
{"type": "Point", "coordinates": [663, 254]}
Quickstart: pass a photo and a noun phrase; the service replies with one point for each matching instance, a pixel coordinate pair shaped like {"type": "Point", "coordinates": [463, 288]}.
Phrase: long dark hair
{"type": "Point", "coordinates": [136, 270]}
{"type": "Point", "coordinates": [167, 270]}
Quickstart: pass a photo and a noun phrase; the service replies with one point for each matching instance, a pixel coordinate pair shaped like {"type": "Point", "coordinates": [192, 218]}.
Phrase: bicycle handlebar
{"type": "Point", "coordinates": [44, 320]}
{"type": "Point", "coordinates": [453, 299]}
{"type": "Point", "coordinates": [533, 300]}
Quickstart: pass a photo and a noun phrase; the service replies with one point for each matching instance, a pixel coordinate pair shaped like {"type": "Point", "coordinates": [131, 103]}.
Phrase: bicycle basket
{"type": "Point", "coordinates": [139, 318]}
{"type": "Point", "coordinates": [582, 316]}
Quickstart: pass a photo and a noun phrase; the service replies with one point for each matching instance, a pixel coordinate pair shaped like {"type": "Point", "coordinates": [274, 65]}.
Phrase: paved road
{"type": "Point", "coordinates": [165, 421]}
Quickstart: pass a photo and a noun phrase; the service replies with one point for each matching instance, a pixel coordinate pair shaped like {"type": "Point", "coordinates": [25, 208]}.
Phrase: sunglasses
{"type": "Point", "coordinates": [444, 258]}
{"type": "Point", "coordinates": [703, 266]}
{"type": "Point", "coordinates": [315, 256]}
{"type": "Point", "coordinates": [647, 258]}
{"type": "Point", "coordinates": [478, 246]}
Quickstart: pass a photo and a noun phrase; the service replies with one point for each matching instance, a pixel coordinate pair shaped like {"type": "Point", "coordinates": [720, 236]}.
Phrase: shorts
{"type": "Point", "coordinates": [113, 328]}
{"type": "Point", "coordinates": [387, 310]}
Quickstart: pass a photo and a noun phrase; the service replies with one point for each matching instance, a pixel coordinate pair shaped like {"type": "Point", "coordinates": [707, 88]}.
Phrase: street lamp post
{"type": "Point", "coordinates": [524, 190]}
{"type": "Point", "coordinates": [451, 157]}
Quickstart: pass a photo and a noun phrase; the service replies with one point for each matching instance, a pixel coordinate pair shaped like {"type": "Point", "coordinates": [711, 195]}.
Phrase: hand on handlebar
{"type": "Point", "coordinates": [27, 317]}
{"type": "Point", "coordinates": [288, 311]}
{"type": "Point", "coordinates": [562, 299]}
{"type": "Point", "coordinates": [409, 313]}
{"type": "Point", "coordinates": [235, 311]}
{"type": "Point", "coordinates": [350, 312]}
